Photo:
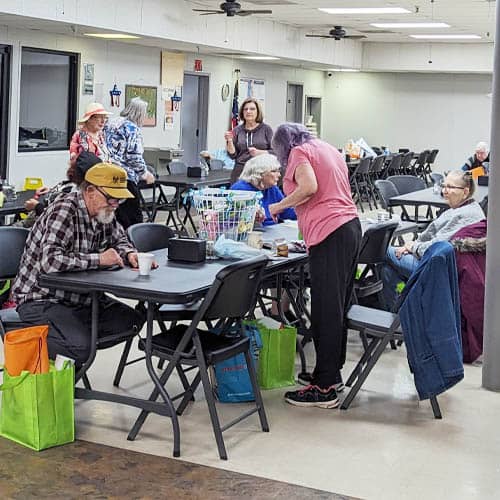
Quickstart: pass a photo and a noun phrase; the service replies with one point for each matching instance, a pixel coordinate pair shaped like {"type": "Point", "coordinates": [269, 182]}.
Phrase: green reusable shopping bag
{"type": "Point", "coordinates": [38, 410]}
{"type": "Point", "coordinates": [277, 356]}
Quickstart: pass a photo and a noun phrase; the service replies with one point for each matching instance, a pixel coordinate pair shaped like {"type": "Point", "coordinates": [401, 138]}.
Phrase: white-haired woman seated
{"type": "Point", "coordinates": [458, 191]}
{"type": "Point", "coordinates": [262, 173]}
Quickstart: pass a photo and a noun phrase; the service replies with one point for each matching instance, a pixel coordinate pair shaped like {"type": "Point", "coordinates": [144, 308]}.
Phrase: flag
{"type": "Point", "coordinates": [235, 109]}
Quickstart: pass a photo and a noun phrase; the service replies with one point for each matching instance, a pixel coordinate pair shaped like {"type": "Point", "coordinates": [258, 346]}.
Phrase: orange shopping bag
{"type": "Point", "coordinates": [26, 349]}
{"type": "Point", "coordinates": [477, 172]}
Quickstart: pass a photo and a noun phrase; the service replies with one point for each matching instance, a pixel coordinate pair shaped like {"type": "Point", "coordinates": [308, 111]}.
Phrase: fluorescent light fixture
{"type": "Point", "coordinates": [366, 10]}
{"type": "Point", "coordinates": [446, 37]}
{"type": "Point", "coordinates": [260, 58]}
{"type": "Point", "coordinates": [112, 36]}
{"type": "Point", "coordinates": [345, 70]}
{"type": "Point", "coordinates": [410, 25]}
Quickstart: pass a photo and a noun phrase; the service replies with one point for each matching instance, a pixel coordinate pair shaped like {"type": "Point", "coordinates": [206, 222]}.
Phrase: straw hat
{"type": "Point", "coordinates": [93, 108]}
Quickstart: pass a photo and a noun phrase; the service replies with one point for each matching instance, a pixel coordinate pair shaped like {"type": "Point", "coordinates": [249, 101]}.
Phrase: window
{"type": "Point", "coordinates": [4, 106]}
{"type": "Point", "coordinates": [47, 108]}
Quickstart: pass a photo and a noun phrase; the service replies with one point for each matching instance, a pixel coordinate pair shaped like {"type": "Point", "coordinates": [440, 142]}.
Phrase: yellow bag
{"type": "Point", "coordinates": [477, 172]}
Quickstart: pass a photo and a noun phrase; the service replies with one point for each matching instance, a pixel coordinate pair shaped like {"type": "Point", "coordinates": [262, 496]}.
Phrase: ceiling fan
{"type": "Point", "coordinates": [231, 8]}
{"type": "Point", "coordinates": [338, 33]}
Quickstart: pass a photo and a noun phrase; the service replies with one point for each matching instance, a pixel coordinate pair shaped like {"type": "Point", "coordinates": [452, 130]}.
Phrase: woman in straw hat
{"type": "Point", "coordinates": [90, 136]}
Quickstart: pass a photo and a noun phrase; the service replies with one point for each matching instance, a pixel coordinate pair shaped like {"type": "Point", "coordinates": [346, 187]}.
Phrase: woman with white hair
{"type": "Point", "coordinates": [125, 144]}
{"type": "Point", "coordinates": [479, 158]}
{"type": "Point", "coordinates": [262, 173]}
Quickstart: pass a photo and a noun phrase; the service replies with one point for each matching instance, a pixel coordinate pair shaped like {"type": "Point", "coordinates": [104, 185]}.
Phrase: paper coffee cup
{"type": "Point", "coordinates": [145, 261]}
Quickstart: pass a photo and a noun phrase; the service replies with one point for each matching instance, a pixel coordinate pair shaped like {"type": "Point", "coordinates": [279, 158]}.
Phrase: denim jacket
{"type": "Point", "coordinates": [430, 319]}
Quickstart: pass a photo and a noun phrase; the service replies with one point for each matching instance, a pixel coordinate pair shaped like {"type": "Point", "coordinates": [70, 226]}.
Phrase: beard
{"type": "Point", "coordinates": [105, 215]}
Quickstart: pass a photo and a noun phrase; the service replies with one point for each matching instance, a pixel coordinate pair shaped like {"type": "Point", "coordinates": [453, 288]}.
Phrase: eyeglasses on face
{"type": "Point", "coordinates": [450, 186]}
{"type": "Point", "coordinates": [109, 199]}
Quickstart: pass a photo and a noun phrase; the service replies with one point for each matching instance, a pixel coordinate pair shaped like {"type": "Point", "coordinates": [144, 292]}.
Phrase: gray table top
{"type": "Point", "coordinates": [171, 282]}
{"type": "Point", "coordinates": [428, 197]}
{"type": "Point", "coordinates": [214, 178]}
{"type": "Point", "coordinates": [16, 206]}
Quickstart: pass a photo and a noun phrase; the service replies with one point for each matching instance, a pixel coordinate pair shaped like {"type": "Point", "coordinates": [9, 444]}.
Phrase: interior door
{"type": "Point", "coordinates": [194, 117]}
{"type": "Point", "coordinates": [294, 99]}
{"type": "Point", "coordinates": [5, 51]}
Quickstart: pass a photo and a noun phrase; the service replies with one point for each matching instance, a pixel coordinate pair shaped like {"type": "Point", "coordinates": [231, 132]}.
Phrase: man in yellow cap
{"type": "Point", "coordinates": [78, 231]}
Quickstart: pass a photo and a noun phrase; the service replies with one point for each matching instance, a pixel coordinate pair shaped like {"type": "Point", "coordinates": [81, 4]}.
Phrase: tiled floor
{"type": "Point", "coordinates": [386, 446]}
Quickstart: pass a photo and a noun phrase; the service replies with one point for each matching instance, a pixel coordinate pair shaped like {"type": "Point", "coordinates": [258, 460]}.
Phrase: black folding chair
{"type": "Point", "coordinates": [230, 298]}
{"type": "Point", "coordinates": [12, 241]}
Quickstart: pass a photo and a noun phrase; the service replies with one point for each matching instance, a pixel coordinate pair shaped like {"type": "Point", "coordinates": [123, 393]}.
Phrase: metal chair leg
{"type": "Point", "coordinates": [123, 361]}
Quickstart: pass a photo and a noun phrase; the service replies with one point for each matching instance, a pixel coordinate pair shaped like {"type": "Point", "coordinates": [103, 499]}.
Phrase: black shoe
{"type": "Point", "coordinates": [312, 395]}
{"type": "Point", "coordinates": [305, 378]}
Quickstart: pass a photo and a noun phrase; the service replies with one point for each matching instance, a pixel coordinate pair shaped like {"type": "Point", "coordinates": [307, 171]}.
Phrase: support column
{"type": "Point", "coordinates": [491, 346]}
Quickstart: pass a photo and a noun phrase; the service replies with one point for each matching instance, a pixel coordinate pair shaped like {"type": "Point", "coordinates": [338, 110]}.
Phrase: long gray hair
{"type": "Point", "coordinates": [257, 166]}
{"type": "Point", "coordinates": [136, 111]}
{"type": "Point", "coordinates": [287, 136]}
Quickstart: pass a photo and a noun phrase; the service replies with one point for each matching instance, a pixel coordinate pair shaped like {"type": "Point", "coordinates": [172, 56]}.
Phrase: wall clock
{"type": "Point", "coordinates": [225, 91]}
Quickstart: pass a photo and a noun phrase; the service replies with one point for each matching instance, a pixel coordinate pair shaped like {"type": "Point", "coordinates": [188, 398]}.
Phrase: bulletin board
{"type": "Point", "coordinates": [252, 87]}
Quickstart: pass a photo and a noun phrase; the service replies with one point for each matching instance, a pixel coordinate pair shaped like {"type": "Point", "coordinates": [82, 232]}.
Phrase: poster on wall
{"type": "Point", "coordinates": [88, 79]}
{"type": "Point", "coordinates": [172, 79]}
{"type": "Point", "coordinates": [146, 93]}
{"type": "Point", "coordinates": [252, 87]}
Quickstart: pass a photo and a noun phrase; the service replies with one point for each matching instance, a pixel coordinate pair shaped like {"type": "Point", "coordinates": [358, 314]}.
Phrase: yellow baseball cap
{"type": "Point", "coordinates": [112, 179]}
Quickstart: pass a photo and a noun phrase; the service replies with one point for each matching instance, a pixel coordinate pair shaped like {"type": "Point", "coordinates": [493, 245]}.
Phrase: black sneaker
{"type": "Point", "coordinates": [312, 395]}
{"type": "Point", "coordinates": [305, 378]}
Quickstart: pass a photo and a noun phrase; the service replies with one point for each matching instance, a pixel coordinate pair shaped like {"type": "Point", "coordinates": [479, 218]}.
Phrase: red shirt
{"type": "Point", "coordinates": [331, 206]}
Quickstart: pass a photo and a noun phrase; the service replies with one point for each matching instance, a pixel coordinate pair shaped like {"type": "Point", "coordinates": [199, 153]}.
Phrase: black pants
{"type": "Point", "coordinates": [129, 212]}
{"type": "Point", "coordinates": [70, 325]}
{"type": "Point", "coordinates": [332, 269]}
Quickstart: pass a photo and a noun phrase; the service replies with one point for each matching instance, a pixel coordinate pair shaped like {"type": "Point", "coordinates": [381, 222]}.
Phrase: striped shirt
{"type": "Point", "coordinates": [65, 238]}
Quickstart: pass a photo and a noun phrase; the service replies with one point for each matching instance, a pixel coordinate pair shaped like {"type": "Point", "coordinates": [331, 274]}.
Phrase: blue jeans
{"type": "Point", "coordinates": [395, 270]}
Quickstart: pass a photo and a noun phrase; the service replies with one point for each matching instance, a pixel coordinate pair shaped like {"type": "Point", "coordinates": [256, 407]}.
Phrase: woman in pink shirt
{"type": "Point", "coordinates": [316, 184]}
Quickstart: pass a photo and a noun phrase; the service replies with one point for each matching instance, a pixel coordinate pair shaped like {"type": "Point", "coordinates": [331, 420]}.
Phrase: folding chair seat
{"type": "Point", "coordinates": [230, 298]}
{"type": "Point", "coordinates": [381, 327]}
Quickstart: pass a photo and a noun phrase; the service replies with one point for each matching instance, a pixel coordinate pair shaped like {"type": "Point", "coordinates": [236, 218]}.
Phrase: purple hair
{"type": "Point", "coordinates": [287, 136]}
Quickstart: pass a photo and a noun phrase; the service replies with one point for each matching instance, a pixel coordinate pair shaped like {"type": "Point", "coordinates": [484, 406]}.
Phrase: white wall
{"type": "Point", "coordinates": [133, 64]}
{"type": "Point", "coordinates": [450, 112]}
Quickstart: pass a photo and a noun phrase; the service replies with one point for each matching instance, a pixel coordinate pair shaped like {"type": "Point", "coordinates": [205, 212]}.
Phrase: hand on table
{"type": "Point", "coordinates": [30, 204]}
{"type": "Point", "coordinates": [148, 177]}
{"type": "Point", "coordinates": [110, 257]}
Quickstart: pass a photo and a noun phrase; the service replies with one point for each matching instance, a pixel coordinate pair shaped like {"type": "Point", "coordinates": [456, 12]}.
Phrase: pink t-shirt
{"type": "Point", "coordinates": [331, 206]}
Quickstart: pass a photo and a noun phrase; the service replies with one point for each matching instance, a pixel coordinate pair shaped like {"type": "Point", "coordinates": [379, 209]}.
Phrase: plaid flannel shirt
{"type": "Point", "coordinates": [65, 238]}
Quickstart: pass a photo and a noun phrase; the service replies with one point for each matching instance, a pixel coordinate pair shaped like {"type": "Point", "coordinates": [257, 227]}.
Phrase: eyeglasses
{"type": "Point", "coordinates": [109, 199]}
{"type": "Point", "coordinates": [449, 186]}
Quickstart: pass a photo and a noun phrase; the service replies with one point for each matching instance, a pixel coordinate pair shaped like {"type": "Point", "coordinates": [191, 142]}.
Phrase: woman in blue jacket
{"type": "Point", "coordinates": [262, 173]}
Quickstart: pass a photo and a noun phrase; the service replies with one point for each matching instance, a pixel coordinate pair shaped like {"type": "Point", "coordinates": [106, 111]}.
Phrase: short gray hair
{"type": "Point", "coordinates": [257, 166]}
{"type": "Point", "coordinates": [482, 146]}
{"type": "Point", "coordinates": [136, 111]}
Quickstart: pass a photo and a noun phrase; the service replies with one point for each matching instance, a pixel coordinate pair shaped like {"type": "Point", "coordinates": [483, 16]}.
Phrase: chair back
{"type": "Point", "coordinates": [177, 167]}
{"type": "Point", "coordinates": [406, 161]}
{"type": "Point", "coordinates": [437, 178]}
{"type": "Point", "coordinates": [407, 183]}
{"type": "Point", "coordinates": [234, 291]}
{"type": "Point", "coordinates": [395, 164]}
{"type": "Point", "coordinates": [386, 190]}
{"type": "Point", "coordinates": [431, 158]}
{"type": "Point", "coordinates": [364, 166]}
{"type": "Point", "coordinates": [375, 242]}
{"type": "Point", "coordinates": [377, 165]}
{"type": "Point", "coordinates": [403, 150]}
{"type": "Point", "coordinates": [148, 236]}
{"type": "Point", "coordinates": [12, 242]}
